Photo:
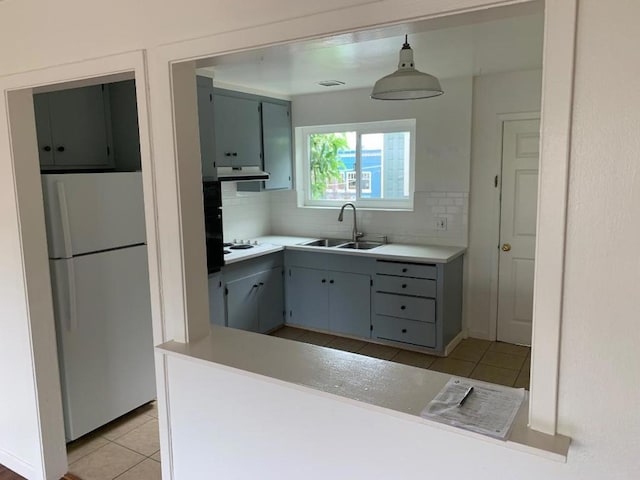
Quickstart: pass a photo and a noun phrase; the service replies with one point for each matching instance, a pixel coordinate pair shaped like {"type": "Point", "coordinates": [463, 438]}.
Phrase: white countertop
{"type": "Point", "coordinates": [399, 388]}
{"type": "Point", "coordinates": [392, 251]}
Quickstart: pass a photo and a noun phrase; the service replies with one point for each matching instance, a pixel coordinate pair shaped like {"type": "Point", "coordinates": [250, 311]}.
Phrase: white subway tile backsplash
{"type": "Point", "coordinates": [248, 215]}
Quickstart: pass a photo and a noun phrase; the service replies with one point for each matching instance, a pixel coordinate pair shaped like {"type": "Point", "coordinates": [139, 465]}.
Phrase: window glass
{"type": "Point", "coordinates": [369, 164]}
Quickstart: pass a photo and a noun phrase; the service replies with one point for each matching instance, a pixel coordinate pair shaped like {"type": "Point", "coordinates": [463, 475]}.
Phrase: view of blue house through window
{"type": "Point", "coordinates": [368, 165]}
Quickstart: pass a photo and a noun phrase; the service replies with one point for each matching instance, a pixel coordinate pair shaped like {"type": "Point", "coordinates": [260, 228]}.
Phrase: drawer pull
{"type": "Point", "coordinates": [403, 307]}
{"type": "Point", "coordinates": [404, 270]}
{"type": "Point", "coordinates": [404, 330]}
{"type": "Point", "coordinates": [404, 285]}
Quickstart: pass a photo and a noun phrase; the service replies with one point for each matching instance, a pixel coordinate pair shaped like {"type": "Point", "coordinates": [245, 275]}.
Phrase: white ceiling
{"type": "Point", "coordinates": [491, 41]}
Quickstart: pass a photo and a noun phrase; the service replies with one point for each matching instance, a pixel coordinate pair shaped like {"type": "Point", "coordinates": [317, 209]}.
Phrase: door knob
{"type": "Point", "coordinates": [506, 247]}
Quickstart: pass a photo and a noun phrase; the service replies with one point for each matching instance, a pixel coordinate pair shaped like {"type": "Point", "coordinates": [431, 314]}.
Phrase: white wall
{"type": "Point", "coordinates": [599, 356]}
{"type": "Point", "coordinates": [443, 132]}
{"type": "Point", "coordinates": [493, 95]}
{"type": "Point", "coordinates": [245, 215]}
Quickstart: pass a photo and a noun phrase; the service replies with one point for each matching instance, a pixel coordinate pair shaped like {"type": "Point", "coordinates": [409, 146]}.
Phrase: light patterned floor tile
{"type": "Point", "coordinates": [144, 439]}
{"type": "Point", "coordinates": [106, 463]}
{"type": "Point", "coordinates": [453, 366]}
{"type": "Point", "coordinates": [476, 343]}
{"type": "Point", "coordinates": [289, 332]}
{"type": "Point", "coordinates": [150, 409]}
{"type": "Point", "coordinates": [509, 348]}
{"type": "Point", "coordinates": [523, 380]}
{"type": "Point", "coordinates": [414, 359]}
{"type": "Point", "coordinates": [502, 360]}
{"type": "Point", "coordinates": [346, 344]}
{"type": "Point", "coordinates": [378, 351]}
{"type": "Point", "coordinates": [316, 338]}
{"type": "Point", "coordinates": [527, 364]}
{"type": "Point", "coordinates": [488, 373]}
{"type": "Point", "coordinates": [147, 470]}
{"type": "Point", "coordinates": [469, 352]}
{"type": "Point", "coordinates": [124, 425]}
{"type": "Point", "coordinates": [85, 445]}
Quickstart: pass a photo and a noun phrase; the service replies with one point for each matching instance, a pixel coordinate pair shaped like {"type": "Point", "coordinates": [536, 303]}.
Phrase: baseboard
{"type": "Point", "coordinates": [453, 343]}
{"type": "Point", "coordinates": [12, 462]}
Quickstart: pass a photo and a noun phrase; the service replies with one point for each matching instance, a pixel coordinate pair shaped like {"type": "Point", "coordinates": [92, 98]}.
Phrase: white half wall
{"type": "Point", "coordinates": [493, 95]}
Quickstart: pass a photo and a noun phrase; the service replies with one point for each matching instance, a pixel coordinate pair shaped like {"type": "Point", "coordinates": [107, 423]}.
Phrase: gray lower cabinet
{"type": "Point", "coordinates": [216, 300]}
{"type": "Point", "coordinates": [417, 304]}
{"type": "Point", "coordinates": [72, 129]}
{"type": "Point", "coordinates": [242, 303]}
{"type": "Point", "coordinates": [332, 298]}
{"type": "Point", "coordinates": [308, 298]}
{"type": "Point", "coordinates": [254, 294]}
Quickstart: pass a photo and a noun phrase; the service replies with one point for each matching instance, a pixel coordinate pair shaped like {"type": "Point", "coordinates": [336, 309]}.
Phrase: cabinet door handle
{"type": "Point", "coordinates": [404, 330]}
{"type": "Point", "coordinates": [261, 284]}
{"type": "Point", "coordinates": [403, 307]}
{"type": "Point", "coordinates": [330, 281]}
{"type": "Point", "coordinates": [324, 280]}
{"type": "Point", "coordinates": [46, 148]}
{"type": "Point", "coordinates": [235, 154]}
{"type": "Point", "coordinates": [60, 148]}
{"type": "Point", "coordinates": [227, 154]}
{"type": "Point", "coordinates": [255, 286]}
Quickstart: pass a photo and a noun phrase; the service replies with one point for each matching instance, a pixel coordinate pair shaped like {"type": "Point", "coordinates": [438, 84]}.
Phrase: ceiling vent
{"type": "Point", "coordinates": [331, 83]}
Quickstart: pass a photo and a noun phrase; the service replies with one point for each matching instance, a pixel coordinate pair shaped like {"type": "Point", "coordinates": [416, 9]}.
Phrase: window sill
{"type": "Point", "coordinates": [393, 388]}
{"type": "Point", "coordinates": [360, 209]}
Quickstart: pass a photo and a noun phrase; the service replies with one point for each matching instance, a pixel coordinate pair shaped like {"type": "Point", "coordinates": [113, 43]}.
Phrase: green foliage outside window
{"type": "Point", "coordinates": [325, 163]}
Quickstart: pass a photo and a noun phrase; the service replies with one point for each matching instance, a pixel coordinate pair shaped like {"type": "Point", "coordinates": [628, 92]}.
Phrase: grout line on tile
{"type": "Point", "coordinates": [132, 466]}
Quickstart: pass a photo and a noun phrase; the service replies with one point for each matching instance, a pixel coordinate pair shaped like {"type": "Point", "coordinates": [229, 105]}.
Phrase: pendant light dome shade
{"type": "Point", "coordinates": [406, 83]}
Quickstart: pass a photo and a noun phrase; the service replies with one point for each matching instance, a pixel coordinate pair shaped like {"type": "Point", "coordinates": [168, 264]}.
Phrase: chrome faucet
{"type": "Point", "coordinates": [355, 236]}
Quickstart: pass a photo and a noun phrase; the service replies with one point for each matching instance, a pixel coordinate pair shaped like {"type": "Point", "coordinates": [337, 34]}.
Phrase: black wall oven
{"type": "Point", "coordinates": [213, 224]}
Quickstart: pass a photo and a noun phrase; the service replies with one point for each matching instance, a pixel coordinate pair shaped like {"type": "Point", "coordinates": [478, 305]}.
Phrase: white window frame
{"type": "Point", "coordinates": [387, 126]}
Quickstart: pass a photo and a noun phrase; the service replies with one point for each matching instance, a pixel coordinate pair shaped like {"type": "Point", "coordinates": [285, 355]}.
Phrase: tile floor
{"type": "Point", "coordinates": [494, 362]}
{"type": "Point", "coordinates": [127, 449]}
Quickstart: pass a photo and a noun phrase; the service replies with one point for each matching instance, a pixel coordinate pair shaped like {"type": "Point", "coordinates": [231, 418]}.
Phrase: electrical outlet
{"type": "Point", "coordinates": [441, 223]}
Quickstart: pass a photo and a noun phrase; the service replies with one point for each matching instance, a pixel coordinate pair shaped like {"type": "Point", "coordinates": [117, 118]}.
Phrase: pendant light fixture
{"type": "Point", "coordinates": [406, 83]}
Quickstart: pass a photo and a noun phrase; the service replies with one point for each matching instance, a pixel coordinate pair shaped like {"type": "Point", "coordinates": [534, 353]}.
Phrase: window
{"type": "Point", "coordinates": [369, 164]}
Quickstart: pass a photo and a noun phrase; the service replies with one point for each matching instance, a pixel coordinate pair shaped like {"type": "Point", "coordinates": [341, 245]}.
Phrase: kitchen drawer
{"type": "Point", "coordinates": [414, 308]}
{"type": "Point", "coordinates": [403, 330]}
{"type": "Point", "coordinates": [406, 286]}
{"type": "Point", "coordinates": [416, 270]}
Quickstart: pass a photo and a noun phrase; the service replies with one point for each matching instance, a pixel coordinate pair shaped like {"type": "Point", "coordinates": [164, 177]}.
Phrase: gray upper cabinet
{"type": "Point", "coordinates": [276, 138]}
{"type": "Point", "coordinates": [72, 128]}
{"type": "Point", "coordinates": [237, 131]}
{"type": "Point", "coordinates": [205, 120]}
{"type": "Point", "coordinates": [124, 126]}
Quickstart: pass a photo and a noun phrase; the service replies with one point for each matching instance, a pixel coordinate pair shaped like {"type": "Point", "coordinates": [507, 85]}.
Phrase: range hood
{"type": "Point", "coordinates": [241, 174]}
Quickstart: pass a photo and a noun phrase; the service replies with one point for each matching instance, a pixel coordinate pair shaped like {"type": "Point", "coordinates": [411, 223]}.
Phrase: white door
{"type": "Point", "coordinates": [520, 153]}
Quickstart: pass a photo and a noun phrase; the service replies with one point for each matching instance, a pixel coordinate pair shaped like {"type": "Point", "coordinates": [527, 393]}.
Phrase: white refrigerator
{"type": "Point", "coordinates": [100, 279]}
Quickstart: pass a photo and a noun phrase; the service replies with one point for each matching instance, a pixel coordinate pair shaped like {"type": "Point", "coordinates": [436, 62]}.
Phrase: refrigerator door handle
{"type": "Point", "coordinates": [71, 297]}
{"type": "Point", "coordinates": [64, 219]}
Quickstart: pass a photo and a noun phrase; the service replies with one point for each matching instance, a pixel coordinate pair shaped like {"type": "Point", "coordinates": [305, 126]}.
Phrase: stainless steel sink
{"type": "Point", "coordinates": [361, 245]}
{"type": "Point", "coordinates": [327, 242]}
